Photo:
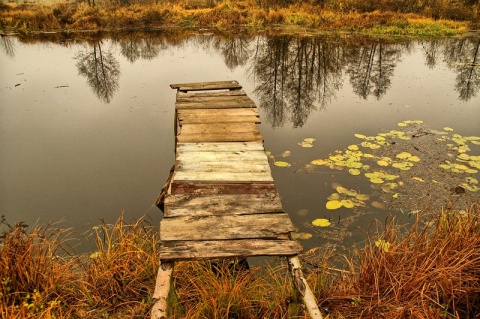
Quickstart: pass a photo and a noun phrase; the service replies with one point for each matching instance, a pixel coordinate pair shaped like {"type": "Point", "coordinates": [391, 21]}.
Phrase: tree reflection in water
{"type": "Point", "coordinates": [7, 46]}
{"type": "Point", "coordinates": [464, 56]}
{"type": "Point", "coordinates": [101, 69]}
{"type": "Point", "coordinates": [297, 76]}
{"type": "Point", "coordinates": [371, 68]}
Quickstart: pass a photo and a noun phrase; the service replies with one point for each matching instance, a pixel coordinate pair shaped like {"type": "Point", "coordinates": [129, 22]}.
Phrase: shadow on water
{"type": "Point", "coordinates": [291, 78]}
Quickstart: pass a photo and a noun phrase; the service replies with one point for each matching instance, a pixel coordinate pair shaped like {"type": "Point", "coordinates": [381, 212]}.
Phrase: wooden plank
{"type": "Point", "coordinates": [223, 167]}
{"type": "Point", "coordinates": [222, 147]}
{"type": "Point", "coordinates": [232, 112]}
{"type": "Point", "coordinates": [214, 119]}
{"type": "Point", "coordinates": [221, 188]}
{"type": "Point", "coordinates": [235, 156]}
{"type": "Point", "coordinates": [188, 250]}
{"type": "Point", "coordinates": [215, 99]}
{"type": "Point", "coordinates": [235, 137]}
{"type": "Point", "coordinates": [225, 227]}
{"type": "Point", "coordinates": [219, 128]}
{"type": "Point", "coordinates": [214, 105]}
{"type": "Point", "coordinates": [204, 86]}
{"type": "Point", "coordinates": [223, 176]}
{"type": "Point", "coordinates": [226, 204]}
{"type": "Point", "coordinates": [182, 96]}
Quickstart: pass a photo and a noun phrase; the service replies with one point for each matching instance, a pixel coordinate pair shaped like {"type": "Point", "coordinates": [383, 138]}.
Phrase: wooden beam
{"type": "Point", "coordinates": [220, 147]}
{"type": "Point", "coordinates": [301, 285]}
{"type": "Point", "coordinates": [182, 96]}
{"type": "Point", "coordinates": [226, 204]}
{"type": "Point", "coordinates": [204, 86]}
{"type": "Point", "coordinates": [264, 226]}
{"type": "Point", "coordinates": [162, 289]}
{"type": "Point", "coordinates": [195, 250]}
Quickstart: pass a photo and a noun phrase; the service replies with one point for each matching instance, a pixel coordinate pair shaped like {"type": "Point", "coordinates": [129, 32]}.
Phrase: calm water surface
{"type": "Point", "coordinates": [86, 127]}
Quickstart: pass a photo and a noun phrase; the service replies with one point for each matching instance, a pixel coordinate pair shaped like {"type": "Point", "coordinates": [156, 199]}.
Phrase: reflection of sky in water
{"type": "Point", "coordinates": [66, 154]}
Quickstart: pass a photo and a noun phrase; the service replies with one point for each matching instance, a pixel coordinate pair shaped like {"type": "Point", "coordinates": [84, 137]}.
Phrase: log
{"type": "Point", "coordinates": [162, 288]}
{"type": "Point", "coordinates": [302, 286]}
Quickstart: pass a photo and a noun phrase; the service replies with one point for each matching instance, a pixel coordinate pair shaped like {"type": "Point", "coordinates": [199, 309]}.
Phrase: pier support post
{"type": "Point", "coordinates": [302, 286]}
{"type": "Point", "coordinates": [162, 289]}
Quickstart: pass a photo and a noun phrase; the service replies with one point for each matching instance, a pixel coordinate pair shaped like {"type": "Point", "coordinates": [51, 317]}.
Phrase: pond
{"type": "Point", "coordinates": [86, 122]}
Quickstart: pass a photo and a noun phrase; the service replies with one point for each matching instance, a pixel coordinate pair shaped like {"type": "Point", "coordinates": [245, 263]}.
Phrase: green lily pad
{"type": "Point", "coordinates": [354, 171]}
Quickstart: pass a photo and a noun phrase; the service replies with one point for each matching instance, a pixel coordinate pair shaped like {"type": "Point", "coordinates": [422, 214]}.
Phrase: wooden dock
{"type": "Point", "coordinates": [221, 200]}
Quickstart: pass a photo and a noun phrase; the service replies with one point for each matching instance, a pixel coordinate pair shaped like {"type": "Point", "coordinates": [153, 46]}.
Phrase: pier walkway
{"type": "Point", "coordinates": [220, 200]}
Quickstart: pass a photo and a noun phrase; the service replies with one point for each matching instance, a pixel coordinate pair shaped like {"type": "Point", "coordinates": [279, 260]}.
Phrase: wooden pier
{"type": "Point", "coordinates": [220, 200]}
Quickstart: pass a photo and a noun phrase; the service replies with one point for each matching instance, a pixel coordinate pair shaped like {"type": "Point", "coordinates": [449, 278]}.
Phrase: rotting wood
{"type": "Point", "coordinates": [229, 204]}
{"type": "Point", "coordinates": [220, 147]}
{"type": "Point", "coordinates": [222, 202]}
{"type": "Point", "coordinates": [182, 96]}
{"type": "Point", "coordinates": [221, 188]}
{"type": "Point", "coordinates": [301, 285]}
{"type": "Point", "coordinates": [213, 227]}
{"type": "Point", "coordinates": [218, 156]}
{"type": "Point", "coordinates": [204, 86]}
{"type": "Point", "coordinates": [196, 250]}
{"type": "Point", "coordinates": [219, 137]}
{"type": "Point", "coordinates": [162, 289]}
{"type": "Point", "coordinates": [163, 192]}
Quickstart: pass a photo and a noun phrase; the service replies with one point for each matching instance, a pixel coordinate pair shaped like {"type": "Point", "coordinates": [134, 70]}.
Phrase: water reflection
{"type": "Point", "coordinates": [464, 56]}
{"type": "Point", "coordinates": [7, 46]}
{"type": "Point", "coordinates": [296, 76]}
{"type": "Point", "coordinates": [371, 67]}
{"type": "Point", "coordinates": [101, 69]}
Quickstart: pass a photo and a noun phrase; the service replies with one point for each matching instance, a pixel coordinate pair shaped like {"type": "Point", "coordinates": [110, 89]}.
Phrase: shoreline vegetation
{"type": "Point", "coordinates": [387, 17]}
{"type": "Point", "coordinates": [429, 269]}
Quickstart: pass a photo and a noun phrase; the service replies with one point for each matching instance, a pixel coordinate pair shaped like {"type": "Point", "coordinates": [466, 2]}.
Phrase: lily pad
{"type": "Point", "coordinates": [333, 204]}
{"type": "Point", "coordinates": [321, 222]}
{"type": "Point", "coordinates": [383, 245]}
{"type": "Point", "coordinates": [281, 164]}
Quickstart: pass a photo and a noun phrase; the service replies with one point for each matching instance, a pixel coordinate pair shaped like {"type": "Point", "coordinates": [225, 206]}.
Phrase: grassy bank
{"type": "Point", "coordinates": [224, 15]}
{"type": "Point", "coordinates": [427, 271]}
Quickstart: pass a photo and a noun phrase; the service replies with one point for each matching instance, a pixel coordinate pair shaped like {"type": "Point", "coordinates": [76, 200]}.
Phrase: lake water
{"type": "Point", "coordinates": [86, 123]}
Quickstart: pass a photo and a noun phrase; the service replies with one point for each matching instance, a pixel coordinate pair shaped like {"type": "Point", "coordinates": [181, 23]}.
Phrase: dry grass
{"type": "Point", "coordinates": [430, 270]}
{"type": "Point", "coordinates": [427, 272]}
{"type": "Point", "coordinates": [224, 15]}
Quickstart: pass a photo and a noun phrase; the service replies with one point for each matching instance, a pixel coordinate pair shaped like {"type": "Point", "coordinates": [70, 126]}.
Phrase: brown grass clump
{"type": "Point", "coordinates": [37, 279]}
{"type": "Point", "coordinates": [430, 272]}
{"type": "Point", "coordinates": [223, 289]}
{"type": "Point", "coordinates": [120, 276]}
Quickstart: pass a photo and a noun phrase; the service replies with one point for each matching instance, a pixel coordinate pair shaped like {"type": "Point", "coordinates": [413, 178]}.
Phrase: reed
{"type": "Point", "coordinates": [426, 270]}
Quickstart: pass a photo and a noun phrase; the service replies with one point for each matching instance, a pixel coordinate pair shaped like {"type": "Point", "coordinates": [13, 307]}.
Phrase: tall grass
{"type": "Point", "coordinates": [428, 270]}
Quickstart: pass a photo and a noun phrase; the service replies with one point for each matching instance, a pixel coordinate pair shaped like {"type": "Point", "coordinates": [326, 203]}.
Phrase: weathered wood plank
{"type": "Point", "coordinates": [235, 137]}
{"type": "Point", "coordinates": [215, 104]}
{"type": "Point", "coordinates": [223, 176]}
{"type": "Point", "coordinates": [213, 204]}
{"type": "Point", "coordinates": [220, 147]}
{"type": "Point", "coordinates": [224, 167]}
{"type": "Point", "coordinates": [182, 96]}
{"type": "Point", "coordinates": [203, 86]}
{"type": "Point", "coordinates": [215, 99]}
{"type": "Point", "coordinates": [225, 227]}
{"type": "Point", "coordinates": [188, 250]}
{"type": "Point", "coordinates": [220, 119]}
{"type": "Point", "coordinates": [254, 156]}
{"type": "Point", "coordinates": [221, 188]}
{"type": "Point", "coordinates": [233, 112]}
{"type": "Point", "coordinates": [219, 128]}
{"type": "Point", "coordinates": [162, 289]}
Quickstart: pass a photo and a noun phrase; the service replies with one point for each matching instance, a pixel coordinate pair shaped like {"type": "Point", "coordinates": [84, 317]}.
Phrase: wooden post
{"type": "Point", "coordinates": [302, 286]}
{"type": "Point", "coordinates": [162, 288]}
